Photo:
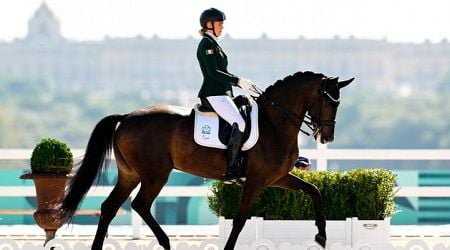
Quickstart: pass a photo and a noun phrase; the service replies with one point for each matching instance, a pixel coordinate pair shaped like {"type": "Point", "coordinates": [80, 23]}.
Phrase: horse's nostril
{"type": "Point", "coordinates": [328, 139]}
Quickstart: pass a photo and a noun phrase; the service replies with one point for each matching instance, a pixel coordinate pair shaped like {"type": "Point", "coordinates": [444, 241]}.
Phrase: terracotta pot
{"type": "Point", "coordinates": [49, 193]}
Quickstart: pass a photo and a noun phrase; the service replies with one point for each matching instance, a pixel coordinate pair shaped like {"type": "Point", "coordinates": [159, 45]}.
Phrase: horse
{"type": "Point", "coordinates": [149, 143]}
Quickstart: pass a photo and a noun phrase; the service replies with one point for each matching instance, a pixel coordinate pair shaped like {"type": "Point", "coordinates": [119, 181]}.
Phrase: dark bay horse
{"type": "Point", "coordinates": [149, 143]}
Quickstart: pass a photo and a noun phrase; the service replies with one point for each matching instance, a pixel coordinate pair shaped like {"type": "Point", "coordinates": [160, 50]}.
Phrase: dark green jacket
{"type": "Point", "coordinates": [213, 63]}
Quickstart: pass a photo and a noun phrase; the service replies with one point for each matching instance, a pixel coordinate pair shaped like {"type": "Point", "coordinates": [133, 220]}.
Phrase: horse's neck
{"type": "Point", "coordinates": [284, 121]}
{"type": "Point", "coordinates": [285, 106]}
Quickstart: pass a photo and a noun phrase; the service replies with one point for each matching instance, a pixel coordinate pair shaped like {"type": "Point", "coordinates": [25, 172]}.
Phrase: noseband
{"type": "Point", "coordinates": [314, 123]}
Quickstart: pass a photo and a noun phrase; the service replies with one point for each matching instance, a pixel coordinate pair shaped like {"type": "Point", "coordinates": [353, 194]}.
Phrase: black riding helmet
{"type": "Point", "coordinates": [211, 15]}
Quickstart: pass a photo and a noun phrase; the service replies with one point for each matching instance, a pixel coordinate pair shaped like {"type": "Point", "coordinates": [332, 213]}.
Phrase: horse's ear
{"type": "Point", "coordinates": [345, 83]}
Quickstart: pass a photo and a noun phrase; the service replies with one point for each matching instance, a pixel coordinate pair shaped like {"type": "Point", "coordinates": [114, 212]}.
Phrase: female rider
{"type": "Point", "coordinates": [216, 91]}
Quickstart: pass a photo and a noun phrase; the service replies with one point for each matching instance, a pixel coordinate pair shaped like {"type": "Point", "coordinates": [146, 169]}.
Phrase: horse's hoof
{"type": "Point", "coordinates": [321, 240]}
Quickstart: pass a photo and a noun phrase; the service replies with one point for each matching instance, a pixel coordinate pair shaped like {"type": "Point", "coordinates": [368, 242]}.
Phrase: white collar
{"type": "Point", "coordinates": [211, 35]}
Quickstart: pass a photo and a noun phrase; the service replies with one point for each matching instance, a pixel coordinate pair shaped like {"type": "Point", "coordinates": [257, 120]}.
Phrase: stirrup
{"type": "Point", "coordinates": [236, 180]}
{"type": "Point", "coordinates": [240, 181]}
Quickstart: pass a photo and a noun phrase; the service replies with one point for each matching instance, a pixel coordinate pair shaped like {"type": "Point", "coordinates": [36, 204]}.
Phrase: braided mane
{"type": "Point", "coordinates": [299, 77]}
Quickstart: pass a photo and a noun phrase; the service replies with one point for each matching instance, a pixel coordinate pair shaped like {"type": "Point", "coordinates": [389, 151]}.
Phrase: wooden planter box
{"type": "Point", "coordinates": [347, 232]}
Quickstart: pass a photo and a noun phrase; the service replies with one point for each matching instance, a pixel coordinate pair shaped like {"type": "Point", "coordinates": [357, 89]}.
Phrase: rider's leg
{"type": "Point", "coordinates": [226, 109]}
{"type": "Point", "coordinates": [235, 168]}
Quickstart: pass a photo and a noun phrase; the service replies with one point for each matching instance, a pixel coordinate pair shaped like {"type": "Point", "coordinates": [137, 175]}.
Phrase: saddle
{"type": "Point", "coordinates": [210, 130]}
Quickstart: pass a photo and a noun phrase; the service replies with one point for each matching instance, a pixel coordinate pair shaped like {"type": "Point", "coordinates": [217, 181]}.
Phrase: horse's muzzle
{"type": "Point", "coordinates": [323, 138]}
{"type": "Point", "coordinates": [326, 140]}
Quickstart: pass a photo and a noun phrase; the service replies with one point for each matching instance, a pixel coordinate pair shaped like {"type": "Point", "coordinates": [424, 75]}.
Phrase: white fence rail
{"type": "Point", "coordinates": [212, 244]}
{"type": "Point", "coordinates": [322, 154]}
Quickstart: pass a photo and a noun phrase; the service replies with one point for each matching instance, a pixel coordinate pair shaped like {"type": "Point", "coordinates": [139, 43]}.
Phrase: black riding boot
{"type": "Point", "coordinates": [235, 168]}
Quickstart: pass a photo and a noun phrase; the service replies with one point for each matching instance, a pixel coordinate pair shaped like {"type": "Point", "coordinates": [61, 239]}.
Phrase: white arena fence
{"type": "Point", "coordinates": [211, 244]}
{"type": "Point", "coordinates": [322, 154]}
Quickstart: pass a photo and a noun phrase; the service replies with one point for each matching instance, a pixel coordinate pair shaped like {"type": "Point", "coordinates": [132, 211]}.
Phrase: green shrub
{"type": "Point", "coordinates": [364, 193]}
{"type": "Point", "coordinates": [51, 156]}
{"type": "Point", "coordinates": [373, 193]}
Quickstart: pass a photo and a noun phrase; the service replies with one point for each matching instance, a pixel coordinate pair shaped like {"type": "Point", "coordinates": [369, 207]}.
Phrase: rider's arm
{"type": "Point", "coordinates": [209, 55]}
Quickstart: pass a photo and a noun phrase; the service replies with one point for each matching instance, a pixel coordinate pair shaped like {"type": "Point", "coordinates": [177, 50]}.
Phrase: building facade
{"type": "Point", "coordinates": [154, 63]}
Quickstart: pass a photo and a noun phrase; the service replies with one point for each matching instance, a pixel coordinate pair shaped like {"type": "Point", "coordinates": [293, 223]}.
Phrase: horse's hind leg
{"type": "Point", "coordinates": [149, 190]}
{"type": "Point", "coordinates": [111, 205]}
{"type": "Point", "coordinates": [293, 183]}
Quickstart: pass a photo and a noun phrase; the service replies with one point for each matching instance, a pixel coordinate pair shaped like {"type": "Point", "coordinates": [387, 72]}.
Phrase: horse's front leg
{"type": "Point", "coordinates": [249, 196]}
{"type": "Point", "coordinates": [293, 183]}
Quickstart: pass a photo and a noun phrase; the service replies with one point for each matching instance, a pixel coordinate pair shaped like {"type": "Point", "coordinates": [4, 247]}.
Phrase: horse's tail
{"type": "Point", "coordinates": [97, 150]}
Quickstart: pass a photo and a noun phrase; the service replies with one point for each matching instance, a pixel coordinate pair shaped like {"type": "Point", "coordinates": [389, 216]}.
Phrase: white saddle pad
{"type": "Point", "coordinates": [206, 129]}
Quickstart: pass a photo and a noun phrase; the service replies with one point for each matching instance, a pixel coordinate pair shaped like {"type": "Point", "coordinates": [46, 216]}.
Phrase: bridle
{"type": "Point", "coordinates": [314, 123]}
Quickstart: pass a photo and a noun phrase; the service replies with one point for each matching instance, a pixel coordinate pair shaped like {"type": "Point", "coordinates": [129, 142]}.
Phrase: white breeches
{"type": "Point", "coordinates": [225, 108]}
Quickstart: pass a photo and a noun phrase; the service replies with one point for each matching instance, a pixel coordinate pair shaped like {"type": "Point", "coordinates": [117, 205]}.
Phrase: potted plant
{"type": "Point", "coordinates": [358, 205]}
{"type": "Point", "coordinates": [51, 164]}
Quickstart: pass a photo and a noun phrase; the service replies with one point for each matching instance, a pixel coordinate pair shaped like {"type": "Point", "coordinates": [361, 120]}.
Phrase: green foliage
{"type": "Point", "coordinates": [225, 199]}
{"type": "Point", "coordinates": [416, 121]}
{"type": "Point", "coordinates": [51, 156]}
{"type": "Point", "coordinates": [373, 193]}
{"type": "Point", "coordinates": [31, 108]}
{"type": "Point", "coordinates": [364, 193]}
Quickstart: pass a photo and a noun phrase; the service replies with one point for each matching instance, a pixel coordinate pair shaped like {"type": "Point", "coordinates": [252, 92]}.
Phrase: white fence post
{"type": "Point", "coordinates": [322, 158]}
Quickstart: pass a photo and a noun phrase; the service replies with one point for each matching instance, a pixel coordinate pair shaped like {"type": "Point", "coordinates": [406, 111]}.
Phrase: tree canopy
{"type": "Point", "coordinates": [30, 110]}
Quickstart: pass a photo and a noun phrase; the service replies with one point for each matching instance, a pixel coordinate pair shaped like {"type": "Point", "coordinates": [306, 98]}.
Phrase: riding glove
{"type": "Point", "coordinates": [246, 84]}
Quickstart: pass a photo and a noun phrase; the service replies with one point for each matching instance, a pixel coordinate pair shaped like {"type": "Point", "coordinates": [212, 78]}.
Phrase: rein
{"type": "Point", "coordinates": [294, 119]}
{"type": "Point", "coordinates": [313, 124]}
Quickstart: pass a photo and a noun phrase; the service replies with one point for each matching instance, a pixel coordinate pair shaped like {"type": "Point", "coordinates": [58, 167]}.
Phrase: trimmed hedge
{"type": "Point", "coordinates": [51, 156]}
{"type": "Point", "coordinates": [364, 193]}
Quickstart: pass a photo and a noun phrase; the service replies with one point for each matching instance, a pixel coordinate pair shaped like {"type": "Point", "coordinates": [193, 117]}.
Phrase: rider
{"type": "Point", "coordinates": [216, 91]}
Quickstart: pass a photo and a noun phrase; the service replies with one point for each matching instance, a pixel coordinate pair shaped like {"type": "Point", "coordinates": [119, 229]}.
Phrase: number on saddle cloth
{"type": "Point", "coordinates": [212, 131]}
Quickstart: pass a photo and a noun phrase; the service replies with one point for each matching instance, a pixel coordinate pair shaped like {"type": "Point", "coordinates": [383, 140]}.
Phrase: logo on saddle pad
{"type": "Point", "coordinates": [206, 129]}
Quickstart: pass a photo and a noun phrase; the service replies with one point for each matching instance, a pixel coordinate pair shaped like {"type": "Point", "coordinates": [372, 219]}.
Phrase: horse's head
{"type": "Point", "coordinates": [322, 108]}
{"type": "Point", "coordinates": [307, 92]}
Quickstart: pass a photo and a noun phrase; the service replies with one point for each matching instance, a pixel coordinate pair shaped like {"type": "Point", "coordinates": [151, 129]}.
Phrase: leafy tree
{"type": "Point", "coordinates": [30, 110]}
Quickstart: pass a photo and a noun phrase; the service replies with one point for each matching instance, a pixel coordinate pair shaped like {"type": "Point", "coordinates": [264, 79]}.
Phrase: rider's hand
{"type": "Point", "coordinates": [246, 84]}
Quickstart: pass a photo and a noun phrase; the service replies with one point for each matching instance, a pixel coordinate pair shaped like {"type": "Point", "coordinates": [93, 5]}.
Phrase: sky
{"type": "Point", "coordinates": [393, 20]}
